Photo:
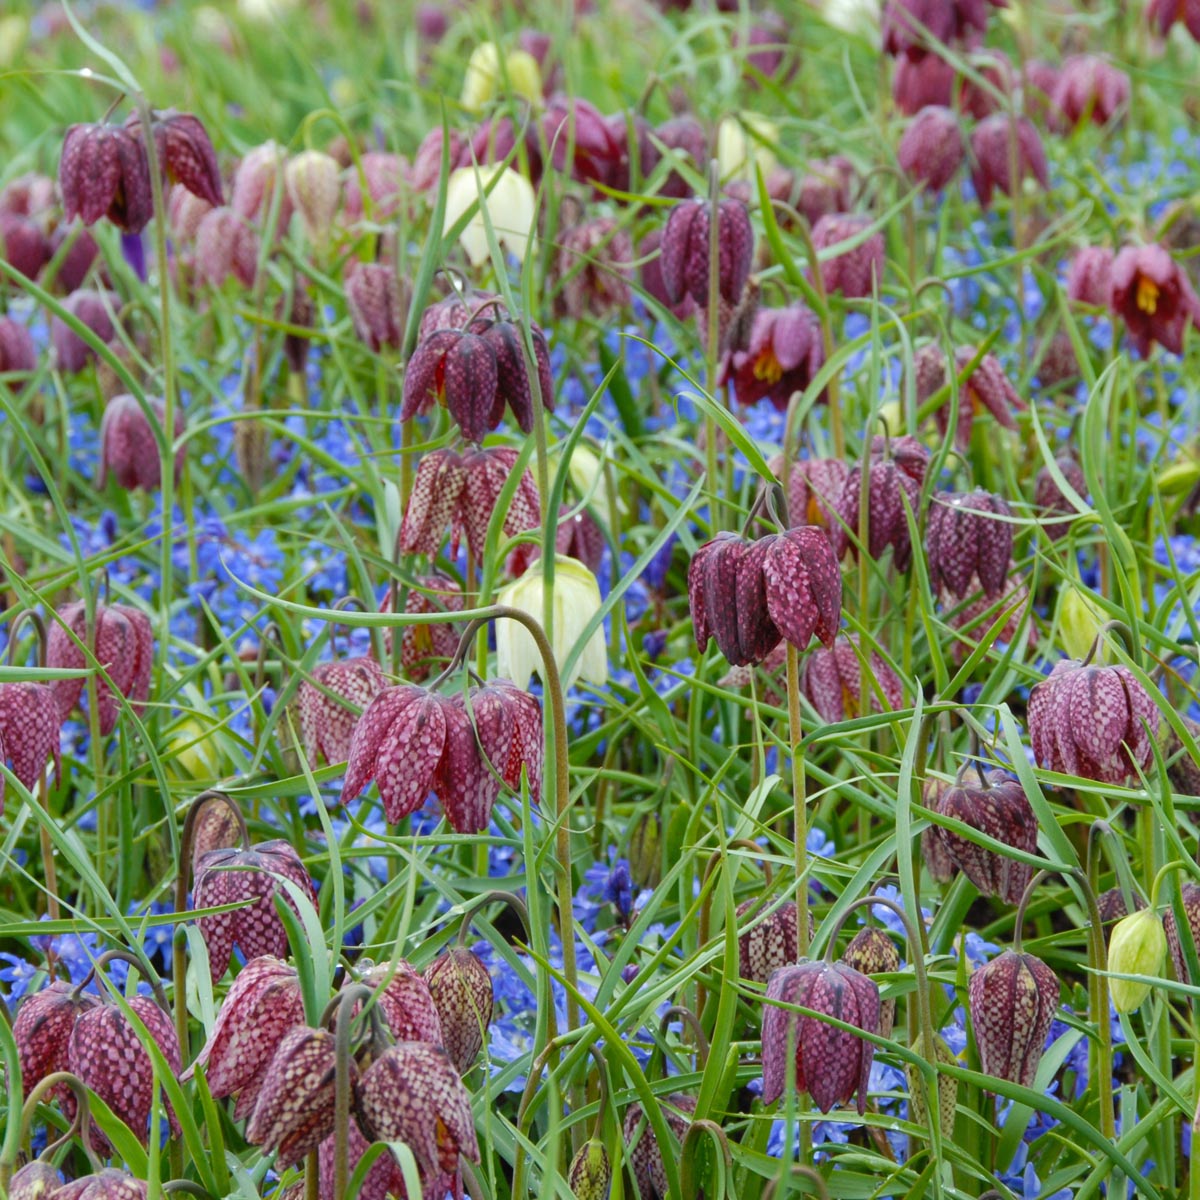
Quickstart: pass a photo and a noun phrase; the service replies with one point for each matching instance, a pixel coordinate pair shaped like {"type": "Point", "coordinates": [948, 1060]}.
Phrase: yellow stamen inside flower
{"type": "Point", "coordinates": [767, 368]}
{"type": "Point", "coordinates": [1147, 295]}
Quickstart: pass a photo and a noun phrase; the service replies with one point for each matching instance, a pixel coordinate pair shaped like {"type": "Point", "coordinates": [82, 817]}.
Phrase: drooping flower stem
{"type": "Point", "coordinates": [810, 1175]}
{"type": "Point", "coordinates": [80, 1125]}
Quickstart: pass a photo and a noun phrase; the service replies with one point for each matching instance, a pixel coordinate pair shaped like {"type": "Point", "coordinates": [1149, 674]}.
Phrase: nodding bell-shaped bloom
{"type": "Point", "coordinates": [643, 1153]}
{"type": "Point", "coordinates": [872, 952]}
{"type": "Point", "coordinates": [23, 245]}
{"type": "Point", "coordinates": [422, 647]}
{"type": "Point", "coordinates": [42, 1032]}
{"type": "Point", "coordinates": [1089, 277]}
{"type": "Point", "coordinates": [508, 197]}
{"type": "Point", "coordinates": [633, 147]}
{"type": "Point", "coordinates": [103, 173]}
{"type": "Point", "coordinates": [406, 1003]}
{"type": "Point", "coordinates": [687, 137]}
{"type": "Point", "coordinates": [1087, 720]}
{"type": "Point", "coordinates": [1048, 496]}
{"type": "Point", "coordinates": [226, 245]}
{"type": "Point", "coordinates": [1154, 297]}
{"type": "Point", "coordinates": [782, 355]}
{"type": "Point", "coordinates": [378, 301]}
{"type": "Point", "coordinates": [109, 1184]}
{"type": "Point", "coordinates": [857, 270]}
{"type": "Point", "coordinates": [765, 945]}
{"type": "Point", "coordinates": [384, 1178]}
{"type": "Point", "coordinates": [830, 1064]}
{"type": "Point", "coordinates": [110, 1057]}
{"type": "Point", "coordinates": [594, 267]}
{"type": "Point", "coordinates": [1012, 1001]}
{"type": "Point", "coordinates": [462, 991]}
{"type": "Point", "coordinates": [975, 618]}
{"type": "Point", "coordinates": [294, 1110]}
{"type": "Point", "coordinates": [128, 447]}
{"type": "Point", "coordinates": [231, 875]}
{"type": "Point", "coordinates": [995, 68]}
{"type": "Point", "coordinates": [995, 805]}
{"type": "Point", "coordinates": [124, 647]}
{"type": "Point", "coordinates": [260, 1009]}
{"type": "Point", "coordinates": [814, 487]}
{"type": "Point", "coordinates": [37, 1180]}
{"type": "Point", "coordinates": [493, 72]}
{"type": "Point", "coordinates": [573, 126]}
{"type": "Point", "coordinates": [749, 596]}
{"type": "Point", "coordinates": [413, 742]}
{"type": "Point", "coordinates": [892, 483]}
{"type": "Point", "coordinates": [1190, 896]}
{"type": "Point", "coordinates": [685, 251]}
{"type": "Point", "coordinates": [1162, 14]}
{"type": "Point", "coordinates": [576, 599]}
{"type": "Point", "coordinates": [832, 677]}
{"type": "Point", "coordinates": [385, 177]}
{"type": "Point", "coordinates": [1089, 86]}
{"type": "Point", "coordinates": [918, 83]}
{"type": "Point", "coordinates": [991, 140]}
{"type": "Point", "coordinates": [314, 183]}
{"type": "Point", "coordinates": [1137, 945]}
{"type": "Point", "coordinates": [932, 149]}
{"type": "Point", "coordinates": [327, 701]}
{"type": "Point", "coordinates": [30, 730]}
{"type": "Point", "coordinates": [985, 386]}
{"type": "Point", "coordinates": [908, 25]}
{"type": "Point", "coordinates": [18, 354]}
{"type": "Point", "coordinates": [94, 310]}
{"type": "Point", "coordinates": [254, 183]}
{"type": "Point", "coordinates": [185, 153]}
{"type": "Point", "coordinates": [185, 211]}
{"type": "Point", "coordinates": [968, 540]}
{"type": "Point", "coordinates": [652, 278]}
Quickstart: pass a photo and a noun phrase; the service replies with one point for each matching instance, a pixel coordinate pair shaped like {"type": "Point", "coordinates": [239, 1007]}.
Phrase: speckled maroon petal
{"type": "Point", "coordinates": [462, 991]}
{"type": "Point", "coordinates": [326, 723]}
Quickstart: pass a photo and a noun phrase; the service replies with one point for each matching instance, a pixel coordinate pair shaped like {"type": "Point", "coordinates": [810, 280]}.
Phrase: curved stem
{"type": "Point", "coordinates": [82, 1120]}
{"type": "Point", "coordinates": [126, 956]}
{"type": "Point", "coordinates": [808, 1174]}
{"type": "Point", "coordinates": [687, 1154]}
{"type": "Point", "coordinates": [495, 897]}
{"type": "Point", "coordinates": [688, 1018]}
{"type": "Point", "coordinates": [1026, 896]}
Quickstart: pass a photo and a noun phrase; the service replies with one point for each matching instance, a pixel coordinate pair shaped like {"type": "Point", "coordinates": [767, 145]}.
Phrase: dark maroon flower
{"type": "Point", "coordinates": [495, 139]}
{"type": "Point", "coordinates": [857, 270]}
{"type": "Point", "coordinates": [968, 538]}
{"type": "Point", "coordinates": [327, 702]}
{"type": "Point", "coordinates": [29, 195]}
{"type": "Point", "coordinates": [103, 173]}
{"type": "Point", "coordinates": [18, 354]}
{"type": "Point", "coordinates": [462, 991]}
{"type": "Point", "coordinates": [232, 875]}
{"type": "Point", "coordinates": [1162, 14]}
{"type": "Point", "coordinates": [427, 162]}
{"type": "Point", "coordinates": [514, 380]}
{"type": "Point", "coordinates": [216, 826]}
{"type": "Point", "coordinates": [830, 1064]}
{"type": "Point", "coordinates": [1112, 905]}
{"type": "Point", "coordinates": [109, 1184]}
{"type": "Point", "coordinates": [687, 136]}
{"type": "Point", "coordinates": [226, 244]}
{"type": "Point", "coordinates": [1087, 720]}
{"type": "Point", "coordinates": [1089, 278]}
{"type": "Point", "coordinates": [23, 245]}
{"type": "Point", "coordinates": [185, 153]}
{"type": "Point", "coordinates": [768, 45]}
{"type": "Point", "coordinates": [782, 356]}
{"type": "Point", "coordinates": [995, 805]}
{"type": "Point", "coordinates": [77, 260]}
{"type": "Point", "coordinates": [458, 370]}
{"type": "Point", "coordinates": [260, 1009]}
{"type": "Point", "coordinates": [423, 646]}
{"type": "Point", "coordinates": [825, 188]}
{"type": "Point", "coordinates": [750, 595]}
{"type": "Point", "coordinates": [932, 149]}
{"type": "Point", "coordinates": [406, 1002]}
{"type": "Point", "coordinates": [1048, 496]}
{"type": "Point", "coordinates": [984, 386]}
{"type": "Point", "coordinates": [1090, 86]}
{"type": "Point", "coordinates": [1153, 296]}
{"type": "Point", "coordinates": [995, 69]}
{"type": "Point", "coordinates": [129, 448]}
{"type": "Point", "coordinates": [42, 1032]}
{"type": "Point", "coordinates": [109, 1056]}
{"type": "Point", "coordinates": [872, 952]}
{"type": "Point", "coordinates": [1012, 1002]}
{"type": "Point", "coordinates": [383, 1179]}
{"type": "Point", "coordinates": [571, 125]}
{"type": "Point", "coordinates": [831, 681]}
{"type": "Point", "coordinates": [889, 488]}
{"type": "Point", "coordinates": [30, 726]}
{"type": "Point", "coordinates": [652, 280]}
{"type": "Point", "coordinates": [685, 251]}
{"type": "Point", "coordinates": [814, 486]}
{"type": "Point", "coordinates": [124, 647]}
{"type": "Point", "coordinates": [766, 945]}
{"type": "Point", "coordinates": [594, 269]}
{"type": "Point", "coordinates": [93, 309]}
{"type": "Point", "coordinates": [991, 145]}
{"type": "Point", "coordinates": [294, 1110]}
{"type": "Point", "coordinates": [637, 146]}
{"type": "Point", "coordinates": [918, 83]}
{"type": "Point", "coordinates": [909, 26]}
{"type": "Point", "coordinates": [644, 1154]}
{"type": "Point", "coordinates": [457, 311]}
{"type": "Point", "coordinates": [1056, 361]}
{"type": "Point", "coordinates": [385, 176]}
{"type": "Point", "coordinates": [412, 1094]}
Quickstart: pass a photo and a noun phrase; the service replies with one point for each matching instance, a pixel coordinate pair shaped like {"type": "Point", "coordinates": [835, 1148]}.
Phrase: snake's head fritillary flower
{"type": "Point", "coordinates": [412, 1094]}
{"type": "Point", "coordinates": [327, 701]}
{"type": "Point", "coordinates": [18, 354]}
{"type": "Point", "coordinates": [496, 137]}
{"type": "Point", "coordinates": [892, 492]}
{"type": "Point", "coordinates": [385, 178]}
{"type": "Point", "coordinates": [457, 369]}
{"type": "Point", "coordinates": [406, 1002]}
{"type": "Point", "coordinates": [1137, 945]}
{"type": "Point", "coordinates": [109, 1056]}
{"type": "Point", "coordinates": [384, 1178]}
{"type": "Point", "coordinates": [814, 486]}
{"type": "Point", "coordinates": [1190, 896]}
{"type": "Point", "coordinates": [766, 945]}
{"type": "Point", "coordinates": [830, 1064]}
{"type": "Point", "coordinates": [462, 991]}
{"type": "Point", "coordinates": [263, 1005]}
{"type": "Point", "coordinates": [991, 147]}
{"type": "Point", "coordinates": [514, 380]}
{"type": "Point", "coordinates": [1113, 906]}
{"type": "Point", "coordinates": [1089, 87]}
{"type": "Point", "coordinates": [185, 211]}
{"type": "Point", "coordinates": [781, 356]}
{"type": "Point", "coordinates": [103, 173]}
{"type": "Point", "coordinates": [918, 83]}
{"type": "Point", "coordinates": [685, 251]}
{"type": "Point", "coordinates": [1091, 721]}
{"type": "Point", "coordinates": [1162, 14]}
{"type": "Point", "coordinates": [571, 125]}
{"type": "Point", "coordinates": [226, 245]}
{"type": "Point", "coordinates": [932, 149]}
{"type": "Point", "coordinates": [634, 140]}
{"type": "Point", "coordinates": [907, 25]}
{"type": "Point", "coordinates": [30, 725]}
{"type": "Point", "coordinates": [593, 268]}
{"type": "Point", "coordinates": [1089, 277]}
{"type": "Point", "coordinates": [995, 70]}
{"type": "Point", "coordinates": [947, 1085]}
{"type": "Point", "coordinates": [95, 310]}
{"type": "Point", "coordinates": [1012, 1001]}
{"type": "Point", "coordinates": [378, 301]}
{"type": "Point", "coordinates": [872, 952]}
{"type": "Point", "coordinates": [644, 1154]}
{"type": "Point", "coordinates": [433, 506]}
{"type": "Point", "coordinates": [314, 183]}
{"type": "Point", "coordinates": [254, 186]}
{"type": "Point", "coordinates": [185, 152]}
{"type": "Point", "coordinates": [832, 677]}
{"type": "Point", "coordinates": [687, 137]}
{"type": "Point", "coordinates": [36, 1180]}
{"type": "Point", "coordinates": [231, 875]}
{"type": "Point", "coordinates": [294, 1110]}
{"type": "Point", "coordinates": [42, 1032]}
{"type": "Point", "coordinates": [128, 446]}
{"type": "Point", "coordinates": [983, 386]}
{"type": "Point", "coordinates": [997, 806]}
{"type": "Point", "coordinates": [124, 642]}
{"type": "Point", "coordinates": [1049, 497]}
{"type": "Point", "coordinates": [424, 647]}
{"type": "Point", "coordinates": [109, 1184]}
{"type": "Point", "coordinates": [1154, 297]}
{"type": "Point", "coordinates": [23, 245]}
{"type": "Point", "coordinates": [857, 270]}
{"type": "Point", "coordinates": [968, 537]}
{"type": "Point", "coordinates": [590, 1173]}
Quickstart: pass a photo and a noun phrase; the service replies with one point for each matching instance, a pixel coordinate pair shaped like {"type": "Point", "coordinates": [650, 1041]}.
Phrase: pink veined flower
{"type": "Point", "coordinates": [975, 618]}
{"type": "Point", "coordinates": [30, 727]}
{"type": "Point", "coordinates": [857, 270]}
{"type": "Point", "coordinates": [1048, 496]}
{"type": "Point", "coordinates": [378, 300]}
{"type": "Point", "coordinates": [386, 178]}
{"type": "Point", "coordinates": [686, 251]}
{"type": "Point", "coordinates": [687, 137]}
{"type": "Point", "coordinates": [908, 25]}
{"type": "Point", "coordinates": [78, 258]}
{"type": "Point", "coordinates": [872, 952]}
{"type": "Point", "coordinates": [892, 483]}
{"type": "Point", "coordinates": [1013, 999]}
{"type": "Point", "coordinates": [769, 943]}
{"type": "Point", "coordinates": [124, 647]}
{"type": "Point", "coordinates": [185, 211]}
{"type": "Point", "coordinates": [932, 149]}
{"type": "Point", "coordinates": [226, 244]}
{"type": "Point", "coordinates": [1154, 297]}
{"type": "Point", "coordinates": [496, 137]}
{"type": "Point", "coordinates": [1090, 87]}
{"type": "Point", "coordinates": [593, 266]}
{"type": "Point", "coordinates": [991, 146]}
{"type": "Point", "coordinates": [424, 647]}
{"type": "Point", "coordinates": [42, 1033]}
{"type": "Point", "coordinates": [109, 1184]}
{"type": "Point", "coordinates": [985, 387]}
{"type": "Point", "coordinates": [23, 245]}
{"type": "Point", "coordinates": [636, 147]}
{"type": "Point", "coordinates": [255, 179]}
{"type": "Point", "coordinates": [918, 83]}
{"type": "Point", "coordinates": [327, 701]}
{"type": "Point", "coordinates": [1089, 278]}
{"type": "Point", "coordinates": [995, 69]}
{"type": "Point", "coordinates": [652, 278]}
{"type": "Point", "coordinates": [968, 539]}
{"type": "Point", "coordinates": [185, 153]}
{"type": "Point", "coordinates": [383, 1179]}
{"type": "Point", "coordinates": [93, 309]}
{"type": "Point", "coordinates": [1162, 14]}
{"type": "Point", "coordinates": [831, 682]}
{"type": "Point", "coordinates": [128, 447]}
{"type": "Point", "coordinates": [18, 354]}
{"type": "Point", "coordinates": [103, 173]}
{"type": "Point", "coordinates": [406, 1002]}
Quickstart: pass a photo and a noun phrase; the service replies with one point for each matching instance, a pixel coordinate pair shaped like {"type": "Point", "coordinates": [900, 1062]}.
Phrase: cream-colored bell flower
{"type": "Point", "coordinates": [510, 206]}
{"type": "Point", "coordinates": [744, 141]}
{"type": "Point", "coordinates": [487, 71]}
{"type": "Point", "coordinates": [576, 601]}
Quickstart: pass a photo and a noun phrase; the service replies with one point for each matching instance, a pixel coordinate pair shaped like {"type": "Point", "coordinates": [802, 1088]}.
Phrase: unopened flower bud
{"type": "Point", "coordinates": [1136, 946]}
